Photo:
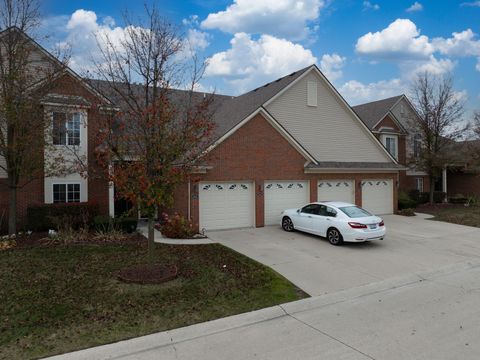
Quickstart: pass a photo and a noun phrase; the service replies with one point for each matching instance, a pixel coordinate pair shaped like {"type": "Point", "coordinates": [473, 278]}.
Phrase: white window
{"type": "Point", "coordinates": [391, 145]}
{"type": "Point", "coordinates": [417, 146]}
{"type": "Point", "coordinates": [419, 184]}
{"type": "Point", "coordinates": [66, 128]}
{"type": "Point", "coordinates": [312, 93]}
{"type": "Point", "coordinates": [63, 193]}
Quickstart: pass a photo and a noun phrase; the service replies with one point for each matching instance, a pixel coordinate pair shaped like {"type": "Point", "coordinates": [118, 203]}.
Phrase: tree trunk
{"type": "Point", "coordinates": [12, 210]}
{"type": "Point", "coordinates": [432, 188]}
{"type": "Point", "coordinates": [151, 240]}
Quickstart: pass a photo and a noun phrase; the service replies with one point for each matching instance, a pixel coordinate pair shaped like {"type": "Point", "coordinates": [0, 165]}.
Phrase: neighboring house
{"type": "Point", "coordinates": [464, 178]}
{"type": "Point", "coordinates": [284, 144]}
{"type": "Point", "coordinates": [391, 120]}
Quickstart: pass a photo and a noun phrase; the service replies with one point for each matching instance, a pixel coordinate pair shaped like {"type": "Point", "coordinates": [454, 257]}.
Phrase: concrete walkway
{"type": "Point", "coordinates": [430, 315]}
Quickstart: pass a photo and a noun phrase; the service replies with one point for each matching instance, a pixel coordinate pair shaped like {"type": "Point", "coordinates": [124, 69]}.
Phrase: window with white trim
{"type": "Point", "coordinates": [390, 143]}
{"type": "Point", "coordinates": [312, 97]}
{"type": "Point", "coordinates": [66, 193]}
{"type": "Point", "coordinates": [66, 128]}
{"type": "Point", "coordinates": [417, 146]}
{"type": "Point", "coordinates": [419, 184]}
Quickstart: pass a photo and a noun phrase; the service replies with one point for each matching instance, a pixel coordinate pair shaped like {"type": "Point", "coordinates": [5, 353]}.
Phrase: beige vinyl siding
{"type": "Point", "coordinates": [3, 173]}
{"type": "Point", "coordinates": [407, 119]}
{"type": "Point", "coordinates": [328, 131]}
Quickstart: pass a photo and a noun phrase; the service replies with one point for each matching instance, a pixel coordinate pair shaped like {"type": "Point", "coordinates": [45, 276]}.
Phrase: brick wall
{"type": "Point", "coordinates": [257, 152]}
{"type": "Point", "coordinates": [461, 183]}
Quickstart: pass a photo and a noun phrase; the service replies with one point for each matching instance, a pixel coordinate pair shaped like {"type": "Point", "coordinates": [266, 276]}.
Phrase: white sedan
{"type": "Point", "coordinates": [337, 221]}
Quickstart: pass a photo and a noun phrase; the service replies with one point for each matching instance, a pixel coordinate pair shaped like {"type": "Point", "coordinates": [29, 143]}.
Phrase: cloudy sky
{"type": "Point", "coordinates": [368, 49]}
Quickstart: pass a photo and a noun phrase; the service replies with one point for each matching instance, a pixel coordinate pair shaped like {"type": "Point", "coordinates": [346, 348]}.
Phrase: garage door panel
{"type": "Point", "coordinates": [377, 196]}
{"type": "Point", "coordinates": [336, 190]}
{"type": "Point", "coordinates": [282, 195]}
{"type": "Point", "coordinates": [226, 205]}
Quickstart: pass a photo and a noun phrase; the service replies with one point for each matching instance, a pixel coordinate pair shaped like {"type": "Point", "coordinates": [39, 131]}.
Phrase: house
{"type": "Point", "coordinates": [392, 120]}
{"type": "Point", "coordinates": [286, 143]}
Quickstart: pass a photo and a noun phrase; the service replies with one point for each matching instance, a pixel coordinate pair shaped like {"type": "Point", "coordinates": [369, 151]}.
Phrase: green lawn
{"type": "Point", "coordinates": [58, 299]}
{"type": "Point", "coordinates": [456, 214]}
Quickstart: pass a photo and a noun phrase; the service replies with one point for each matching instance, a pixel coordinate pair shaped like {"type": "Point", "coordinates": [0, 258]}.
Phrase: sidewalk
{"type": "Point", "coordinates": [431, 315]}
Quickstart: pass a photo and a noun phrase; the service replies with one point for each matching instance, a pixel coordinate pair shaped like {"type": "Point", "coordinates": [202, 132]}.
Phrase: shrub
{"type": "Point", "coordinates": [405, 201]}
{"type": "Point", "coordinates": [424, 197]}
{"type": "Point", "coordinates": [458, 199]}
{"type": "Point", "coordinates": [177, 227]}
{"type": "Point", "coordinates": [103, 223]}
{"type": "Point", "coordinates": [49, 216]}
{"type": "Point", "coordinates": [406, 212]}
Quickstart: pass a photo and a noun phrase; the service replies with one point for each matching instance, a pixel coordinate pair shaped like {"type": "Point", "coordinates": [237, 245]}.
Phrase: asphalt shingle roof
{"type": "Point", "coordinates": [371, 113]}
{"type": "Point", "coordinates": [228, 111]}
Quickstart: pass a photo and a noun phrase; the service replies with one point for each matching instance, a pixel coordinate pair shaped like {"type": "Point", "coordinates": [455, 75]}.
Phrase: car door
{"type": "Point", "coordinates": [318, 220]}
{"type": "Point", "coordinates": [304, 217]}
{"type": "Point", "coordinates": [328, 219]}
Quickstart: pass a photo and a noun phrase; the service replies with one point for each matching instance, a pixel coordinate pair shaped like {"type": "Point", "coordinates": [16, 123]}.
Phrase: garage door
{"type": "Point", "coordinates": [281, 195]}
{"type": "Point", "coordinates": [336, 190]}
{"type": "Point", "coordinates": [377, 196]}
{"type": "Point", "coordinates": [226, 205]}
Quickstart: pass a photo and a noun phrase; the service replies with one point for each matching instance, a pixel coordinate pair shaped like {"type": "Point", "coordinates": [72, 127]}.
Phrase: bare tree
{"type": "Point", "coordinates": [440, 125]}
{"type": "Point", "coordinates": [160, 130]}
{"type": "Point", "coordinates": [23, 81]}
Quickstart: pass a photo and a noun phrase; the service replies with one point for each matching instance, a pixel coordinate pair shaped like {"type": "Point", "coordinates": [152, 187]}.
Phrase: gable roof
{"type": "Point", "coordinates": [54, 60]}
{"type": "Point", "coordinates": [236, 109]}
{"type": "Point", "coordinates": [371, 113]}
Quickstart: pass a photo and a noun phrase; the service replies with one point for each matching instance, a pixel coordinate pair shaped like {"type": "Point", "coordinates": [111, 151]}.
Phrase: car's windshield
{"type": "Point", "coordinates": [355, 211]}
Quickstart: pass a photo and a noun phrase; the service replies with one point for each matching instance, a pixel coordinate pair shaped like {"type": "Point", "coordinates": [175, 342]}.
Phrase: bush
{"type": "Point", "coordinates": [458, 199]}
{"type": "Point", "coordinates": [177, 227]}
{"type": "Point", "coordinates": [45, 217]}
{"type": "Point", "coordinates": [405, 201]}
{"type": "Point", "coordinates": [407, 212]}
{"type": "Point", "coordinates": [424, 197]}
{"type": "Point", "coordinates": [124, 224]}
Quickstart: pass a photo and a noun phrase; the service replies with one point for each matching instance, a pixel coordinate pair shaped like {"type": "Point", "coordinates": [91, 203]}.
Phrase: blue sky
{"type": "Point", "coordinates": [368, 49]}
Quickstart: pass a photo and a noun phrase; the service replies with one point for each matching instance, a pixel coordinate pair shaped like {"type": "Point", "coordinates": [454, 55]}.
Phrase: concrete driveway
{"type": "Point", "coordinates": [413, 245]}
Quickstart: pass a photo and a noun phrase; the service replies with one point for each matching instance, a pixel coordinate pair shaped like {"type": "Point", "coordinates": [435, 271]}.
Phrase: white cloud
{"type": "Point", "coordinates": [463, 43]}
{"type": "Point", "coordinates": [368, 5]}
{"type": "Point", "coordinates": [400, 40]}
{"type": "Point", "coordinates": [331, 65]}
{"type": "Point", "coordinates": [283, 18]}
{"type": "Point", "coordinates": [356, 92]}
{"type": "Point", "coordinates": [249, 62]}
{"type": "Point", "coordinates": [433, 66]}
{"type": "Point", "coordinates": [416, 6]}
{"type": "Point", "coordinates": [471, 4]}
{"type": "Point", "coordinates": [197, 39]}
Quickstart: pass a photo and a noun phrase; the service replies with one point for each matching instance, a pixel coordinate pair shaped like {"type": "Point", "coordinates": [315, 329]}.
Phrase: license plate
{"type": "Point", "coordinates": [374, 226]}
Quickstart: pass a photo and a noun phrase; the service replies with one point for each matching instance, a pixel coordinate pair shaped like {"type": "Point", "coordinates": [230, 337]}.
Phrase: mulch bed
{"type": "Point", "coordinates": [425, 208]}
{"type": "Point", "coordinates": [148, 274]}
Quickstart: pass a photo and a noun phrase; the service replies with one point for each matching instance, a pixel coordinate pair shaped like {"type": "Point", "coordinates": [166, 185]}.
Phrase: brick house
{"type": "Point", "coordinates": [390, 120]}
{"type": "Point", "coordinates": [286, 143]}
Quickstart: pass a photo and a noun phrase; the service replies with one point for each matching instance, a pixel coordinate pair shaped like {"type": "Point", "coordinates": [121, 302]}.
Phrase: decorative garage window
{"type": "Point", "coordinates": [279, 186]}
{"type": "Point", "coordinates": [63, 193]}
{"type": "Point", "coordinates": [232, 187]}
{"type": "Point", "coordinates": [206, 187]}
{"type": "Point", "coordinates": [269, 186]}
{"type": "Point", "coordinates": [218, 187]}
{"type": "Point", "coordinates": [244, 187]}
{"type": "Point", "coordinates": [300, 186]}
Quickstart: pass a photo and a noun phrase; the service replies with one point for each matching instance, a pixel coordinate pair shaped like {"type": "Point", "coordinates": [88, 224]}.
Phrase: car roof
{"type": "Point", "coordinates": [337, 204]}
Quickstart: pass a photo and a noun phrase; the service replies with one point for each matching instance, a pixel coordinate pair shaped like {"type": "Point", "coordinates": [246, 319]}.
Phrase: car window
{"type": "Point", "coordinates": [311, 209]}
{"type": "Point", "coordinates": [331, 212]}
{"type": "Point", "coordinates": [355, 211]}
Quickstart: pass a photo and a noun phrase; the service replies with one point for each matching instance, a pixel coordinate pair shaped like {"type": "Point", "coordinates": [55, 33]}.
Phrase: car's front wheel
{"type": "Point", "coordinates": [287, 224]}
{"type": "Point", "coordinates": [334, 237]}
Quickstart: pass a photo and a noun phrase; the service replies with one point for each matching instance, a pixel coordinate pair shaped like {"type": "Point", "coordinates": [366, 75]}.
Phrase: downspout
{"type": "Point", "coordinates": [189, 200]}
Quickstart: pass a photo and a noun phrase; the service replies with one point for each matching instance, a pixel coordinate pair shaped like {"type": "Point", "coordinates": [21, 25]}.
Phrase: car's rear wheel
{"type": "Point", "coordinates": [334, 237]}
{"type": "Point", "coordinates": [287, 224]}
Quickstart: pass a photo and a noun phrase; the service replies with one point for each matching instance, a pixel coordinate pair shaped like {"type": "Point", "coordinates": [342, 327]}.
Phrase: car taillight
{"type": "Point", "coordinates": [381, 223]}
{"type": "Point", "coordinates": [355, 225]}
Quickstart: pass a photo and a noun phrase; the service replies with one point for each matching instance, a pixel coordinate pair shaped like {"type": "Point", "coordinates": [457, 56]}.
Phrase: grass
{"type": "Point", "coordinates": [63, 298]}
{"type": "Point", "coordinates": [452, 213]}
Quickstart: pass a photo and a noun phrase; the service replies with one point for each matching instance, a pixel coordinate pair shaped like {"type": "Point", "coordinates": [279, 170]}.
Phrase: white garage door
{"type": "Point", "coordinates": [377, 196]}
{"type": "Point", "coordinates": [226, 205]}
{"type": "Point", "coordinates": [336, 190]}
{"type": "Point", "coordinates": [282, 195]}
